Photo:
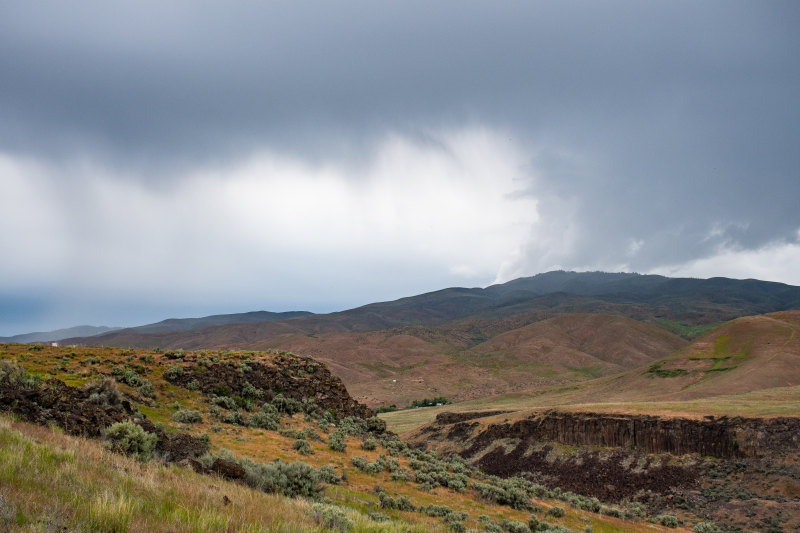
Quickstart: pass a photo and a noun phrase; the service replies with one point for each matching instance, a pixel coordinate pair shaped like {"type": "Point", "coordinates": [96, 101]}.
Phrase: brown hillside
{"type": "Point", "coordinates": [740, 357]}
{"type": "Point", "coordinates": [400, 365]}
{"type": "Point", "coordinates": [397, 366]}
{"type": "Point", "coordinates": [582, 340]}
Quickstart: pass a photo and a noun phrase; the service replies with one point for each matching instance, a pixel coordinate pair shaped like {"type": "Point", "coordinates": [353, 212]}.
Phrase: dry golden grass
{"type": "Point", "coordinates": [52, 478]}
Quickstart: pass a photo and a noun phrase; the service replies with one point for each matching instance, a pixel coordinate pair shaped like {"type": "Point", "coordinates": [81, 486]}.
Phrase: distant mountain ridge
{"type": "Point", "coordinates": [170, 324]}
{"type": "Point", "coordinates": [668, 302]}
{"type": "Point", "coordinates": [58, 334]}
{"type": "Point", "coordinates": [190, 324]}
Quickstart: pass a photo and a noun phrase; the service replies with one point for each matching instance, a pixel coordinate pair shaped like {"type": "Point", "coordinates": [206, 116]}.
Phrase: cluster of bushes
{"type": "Point", "coordinates": [187, 416]}
{"type": "Point", "coordinates": [302, 446]}
{"type": "Point", "coordinates": [330, 517]}
{"type": "Point", "coordinates": [12, 373]}
{"type": "Point", "coordinates": [454, 520]}
{"type": "Point", "coordinates": [336, 441]}
{"type": "Point", "coordinates": [132, 376]}
{"type": "Point", "coordinates": [105, 393]}
{"type": "Point", "coordinates": [378, 465]}
{"type": "Point", "coordinates": [504, 494]}
{"type": "Point", "coordinates": [226, 409]}
{"type": "Point", "coordinates": [425, 402]}
{"type": "Point", "coordinates": [279, 477]}
{"type": "Point", "coordinates": [668, 520]}
{"type": "Point", "coordinates": [172, 373]}
{"type": "Point", "coordinates": [432, 474]}
{"type": "Point", "coordinates": [511, 526]}
{"type": "Point", "coordinates": [401, 503]}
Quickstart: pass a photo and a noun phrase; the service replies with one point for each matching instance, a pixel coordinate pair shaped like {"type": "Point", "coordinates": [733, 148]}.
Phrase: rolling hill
{"type": "Point", "coordinates": [521, 336]}
{"type": "Point", "coordinates": [746, 367]}
{"type": "Point", "coordinates": [58, 334]}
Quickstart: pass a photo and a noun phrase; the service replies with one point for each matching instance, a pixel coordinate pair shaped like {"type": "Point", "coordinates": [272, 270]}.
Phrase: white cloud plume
{"type": "Point", "coordinates": [415, 215]}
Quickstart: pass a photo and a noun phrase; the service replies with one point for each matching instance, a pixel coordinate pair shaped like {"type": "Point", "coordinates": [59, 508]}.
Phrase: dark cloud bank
{"type": "Point", "coordinates": [651, 134]}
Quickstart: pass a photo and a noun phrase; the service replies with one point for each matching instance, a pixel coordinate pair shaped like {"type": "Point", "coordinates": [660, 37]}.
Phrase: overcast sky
{"type": "Point", "coordinates": [189, 158]}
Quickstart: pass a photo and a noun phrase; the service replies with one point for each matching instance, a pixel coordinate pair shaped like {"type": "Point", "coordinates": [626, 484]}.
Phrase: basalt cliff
{"type": "Point", "coordinates": [739, 471]}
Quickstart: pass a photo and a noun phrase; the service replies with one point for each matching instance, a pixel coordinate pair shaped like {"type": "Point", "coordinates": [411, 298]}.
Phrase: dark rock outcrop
{"type": "Point", "coordinates": [175, 447]}
{"type": "Point", "coordinates": [293, 376]}
{"type": "Point", "coordinates": [79, 411]}
{"type": "Point", "coordinates": [228, 469]}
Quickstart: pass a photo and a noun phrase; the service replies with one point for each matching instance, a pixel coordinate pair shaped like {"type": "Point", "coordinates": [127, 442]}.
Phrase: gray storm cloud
{"type": "Point", "coordinates": [656, 136]}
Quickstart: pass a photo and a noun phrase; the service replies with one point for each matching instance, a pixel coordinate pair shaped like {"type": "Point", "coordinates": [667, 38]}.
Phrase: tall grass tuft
{"type": "Point", "coordinates": [110, 513]}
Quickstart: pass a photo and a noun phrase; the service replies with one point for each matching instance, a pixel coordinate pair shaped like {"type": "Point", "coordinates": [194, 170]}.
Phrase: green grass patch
{"type": "Point", "coordinates": [657, 371]}
{"type": "Point", "coordinates": [687, 331]}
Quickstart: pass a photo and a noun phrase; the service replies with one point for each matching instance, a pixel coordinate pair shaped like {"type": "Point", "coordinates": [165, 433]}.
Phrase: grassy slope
{"type": "Point", "coordinates": [50, 478]}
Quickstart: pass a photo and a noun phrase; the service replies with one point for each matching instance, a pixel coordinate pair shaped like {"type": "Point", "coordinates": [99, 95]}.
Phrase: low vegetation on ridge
{"type": "Point", "coordinates": [203, 441]}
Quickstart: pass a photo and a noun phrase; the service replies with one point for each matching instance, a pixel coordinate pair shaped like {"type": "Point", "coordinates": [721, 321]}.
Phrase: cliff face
{"type": "Point", "coordinates": [716, 437]}
{"type": "Point", "coordinates": [663, 462]}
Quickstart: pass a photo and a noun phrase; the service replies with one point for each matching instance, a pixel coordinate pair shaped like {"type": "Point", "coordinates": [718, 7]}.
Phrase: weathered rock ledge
{"type": "Point", "coordinates": [716, 437]}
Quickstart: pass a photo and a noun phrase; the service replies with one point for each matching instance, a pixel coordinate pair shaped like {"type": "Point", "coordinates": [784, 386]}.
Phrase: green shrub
{"type": "Point", "coordinates": [514, 527]}
{"type": "Point", "coordinates": [328, 474]}
{"type": "Point", "coordinates": [173, 373]}
{"type": "Point", "coordinates": [353, 426]}
{"type": "Point", "coordinates": [668, 520]}
{"type": "Point", "coordinates": [401, 503]}
{"type": "Point", "coordinates": [454, 524]}
{"type": "Point", "coordinates": [435, 510]}
{"type": "Point", "coordinates": [302, 447]}
{"type": "Point", "coordinates": [131, 378]}
{"type": "Point", "coordinates": [236, 418]}
{"type": "Point", "coordinates": [375, 516]}
{"type": "Point", "coordinates": [556, 512]}
{"type": "Point", "coordinates": [369, 444]}
{"type": "Point", "coordinates": [226, 402]}
{"type": "Point", "coordinates": [130, 439]}
{"type": "Point", "coordinates": [401, 474]}
{"type": "Point", "coordinates": [330, 517]}
{"type": "Point", "coordinates": [286, 405]}
{"type": "Point", "coordinates": [288, 479]}
{"type": "Point", "coordinates": [490, 526]}
{"type": "Point", "coordinates": [264, 421]}
{"type": "Point", "coordinates": [193, 385]}
{"type": "Point", "coordinates": [393, 444]}
{"type": "Point", "coordinates": [187, 416]}
{"type": "Point", "coordinates": [374, 467]}
{"type": "Point", "coordinates": [249, 391]}
{"type": "Point", "coordinates": [309, 406]}
{"type": "Point", "coordinates": [146, 389]}
{"type": "Point", "coordinates": [376, 425]}
{"type": "Point", "coordinates": [635, 510]}
{"type": "Point", "coordinates": [336, 441]}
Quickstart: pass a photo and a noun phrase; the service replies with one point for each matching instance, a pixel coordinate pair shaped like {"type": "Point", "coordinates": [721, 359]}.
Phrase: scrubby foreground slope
{"type": "Point", "coordinates": [276, 426]}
